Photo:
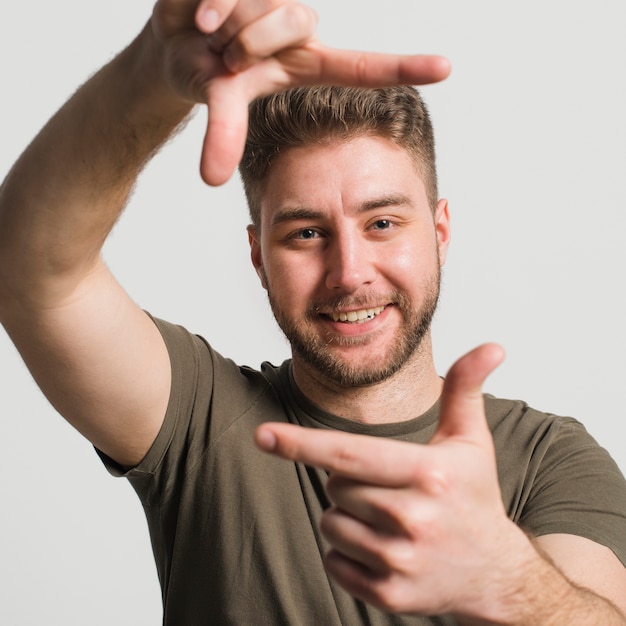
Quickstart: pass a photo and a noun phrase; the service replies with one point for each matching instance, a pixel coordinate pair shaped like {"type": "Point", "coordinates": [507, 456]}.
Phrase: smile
{"type": "Point", "coordinates": [356, 317]}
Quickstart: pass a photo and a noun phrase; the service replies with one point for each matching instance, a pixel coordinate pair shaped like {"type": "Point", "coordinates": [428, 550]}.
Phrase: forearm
{"type": "Point", "coordinates": [539, 593]}
{"type": "Point", "coordinates": [66, 191]}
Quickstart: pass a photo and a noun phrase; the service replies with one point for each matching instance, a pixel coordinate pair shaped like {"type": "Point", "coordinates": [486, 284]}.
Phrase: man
{"type": "Point", "coordinates": [346, 227]}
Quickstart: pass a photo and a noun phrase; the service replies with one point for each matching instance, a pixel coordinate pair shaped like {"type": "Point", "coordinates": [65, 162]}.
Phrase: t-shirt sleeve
{"type": "Point", "coordinates": [208, 393]}
{"type": "Point", "coordinates": [187, 413]}
{"type": "Point", "coordinates": [578, 489]}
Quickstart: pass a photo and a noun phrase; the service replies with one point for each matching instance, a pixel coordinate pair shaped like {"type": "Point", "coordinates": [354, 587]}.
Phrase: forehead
{"type": "Point", "coordinates": [345, 173]}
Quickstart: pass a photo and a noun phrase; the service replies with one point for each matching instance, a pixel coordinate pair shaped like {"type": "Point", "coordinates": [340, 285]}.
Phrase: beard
{"type": "Point", "coordinates": [384, 362]}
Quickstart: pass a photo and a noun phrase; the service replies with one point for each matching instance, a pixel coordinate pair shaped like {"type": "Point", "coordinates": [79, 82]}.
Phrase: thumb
{"type": "Point", "coordinates": [462, 411]}
{"type": "Point", "coordinates": [227, 127]}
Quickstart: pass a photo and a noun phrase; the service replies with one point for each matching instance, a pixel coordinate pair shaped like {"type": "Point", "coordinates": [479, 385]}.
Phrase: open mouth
{"type": "Point", "coordinates": [356, 317]}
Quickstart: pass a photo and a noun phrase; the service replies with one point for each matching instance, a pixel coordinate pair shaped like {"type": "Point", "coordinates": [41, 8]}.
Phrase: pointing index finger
{"type": "Point", "coordinates": [372, 460]}
{"type": "Point", "coordinates": [374, 69]}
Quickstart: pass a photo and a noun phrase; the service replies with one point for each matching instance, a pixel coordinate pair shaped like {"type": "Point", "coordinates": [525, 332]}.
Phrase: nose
{"type": "Point", "coordinates": [350, 263]}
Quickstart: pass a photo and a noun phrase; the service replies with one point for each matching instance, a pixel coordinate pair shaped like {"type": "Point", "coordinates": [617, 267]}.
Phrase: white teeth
{"type": "Point", "coordinates": [357, 316]}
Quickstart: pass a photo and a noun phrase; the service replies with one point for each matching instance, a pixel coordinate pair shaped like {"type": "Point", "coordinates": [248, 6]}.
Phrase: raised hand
{"type": "Point", "coordinates": [416, 529]}
{"type": "Point", "coordinates": [225, 53]}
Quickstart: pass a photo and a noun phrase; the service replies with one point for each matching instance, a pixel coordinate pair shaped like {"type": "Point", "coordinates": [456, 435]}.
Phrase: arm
{"type": "Point", "coordinates": [74, 326]}
{"type": "Point", "coordinates": [587, 565]}
{"type": "Point", "coordinates": [95, 354]}
{"type": "Point", "coordinates": [422, 529]}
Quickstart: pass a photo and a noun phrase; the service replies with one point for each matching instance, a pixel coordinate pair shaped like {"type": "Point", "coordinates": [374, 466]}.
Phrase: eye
{"type": "Point", "coordinates": [381, 225]}
{"type": "Point", "coordinates": [306, 233]}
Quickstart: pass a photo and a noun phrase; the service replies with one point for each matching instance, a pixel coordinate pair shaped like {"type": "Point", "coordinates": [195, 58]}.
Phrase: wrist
{"type": "Point", "coordinates": [528, 589]}
{"type": "Point", "coordinates": [149, 65]}
{"type": "Point", "coordinates": [523, 587]}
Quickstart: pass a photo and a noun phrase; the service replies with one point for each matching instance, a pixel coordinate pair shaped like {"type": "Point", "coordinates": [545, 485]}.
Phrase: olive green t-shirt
{"type": "Point", "coordinates": [235, 531]}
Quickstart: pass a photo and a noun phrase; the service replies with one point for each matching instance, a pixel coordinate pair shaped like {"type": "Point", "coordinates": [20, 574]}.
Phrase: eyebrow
{"type": "Point", "coordinates": [292, 214]}
{"type": "Point", "coordinates": [394, 199]}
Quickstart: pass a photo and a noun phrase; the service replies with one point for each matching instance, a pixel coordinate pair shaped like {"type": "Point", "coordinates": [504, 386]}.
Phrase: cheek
{"type": "Point", "coordinates": [412, 263]}
{"type": "Point", "coordinates": [291, 277]}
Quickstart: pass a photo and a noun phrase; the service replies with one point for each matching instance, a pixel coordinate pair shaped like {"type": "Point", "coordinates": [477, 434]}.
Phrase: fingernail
{"type": "Point", "coordinates": [210, 20]}
{"type": "Point", "coordinates": [265, 439]}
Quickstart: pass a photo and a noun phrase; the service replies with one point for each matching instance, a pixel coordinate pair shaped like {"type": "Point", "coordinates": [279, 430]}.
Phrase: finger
{"type": "Point", "coordinates": [372, 460]}
{"type": "Point", "coordinates": [241, 13]}
{"type": "Point", "coordinates": [227, 127]}
{"type": "Point", "coordinates": [392, 510]}
{"type": "Point", "coordinates": [306, 65]}
{"type": "Point", "coordinates": [462, 412]}
{"type": "Point", "coordinates": [385, 591]}
{"type": "Point", "coordinates": [356, 540]}
{"type": "Point", "coordinates": [372, 69]}
{"type": "Point", "coordinates": [211, 14]}
{"type": "Point", "coordinates": [353, 576]}
{"type": "Point", "coordinates": [289, 26]}
{"type": "Point", "coordinates": [227, 100]}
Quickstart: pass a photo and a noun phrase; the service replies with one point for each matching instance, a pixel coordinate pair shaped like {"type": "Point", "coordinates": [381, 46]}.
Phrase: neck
{"type": "Point", "coordinates": [411, 391]}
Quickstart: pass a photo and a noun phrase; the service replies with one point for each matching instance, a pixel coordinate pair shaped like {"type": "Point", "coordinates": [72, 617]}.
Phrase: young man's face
{"type": "Point", "coordinates": [350, 253]}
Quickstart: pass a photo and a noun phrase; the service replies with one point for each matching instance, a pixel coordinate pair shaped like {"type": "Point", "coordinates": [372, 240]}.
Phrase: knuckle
{"type": "Point", "coordinates": [361, 69]}
{"type": "Point", "coordinates": [401, 511]}
{"type": "Point", "coordinates": [413, 521]}
{"type": "Point", "coordinates": [346, 461]}
{"type": "Point", "coordinates": [335, 485]}
{"type": "Point", "coordinates": [394, 510]}
{"type": "Point", "coordinates": [289, 449]}
{"type": "Point", "coordinates": [436, 481]}
{"type": "Point", "coordinates": [433, 478]}
{"type": "Point", "coordinates": [244, 43]}
{"type": "Point", "coordinates": [388, 595]}
{"type": "Point", "coordinates": [381, 554]}
{"type": "Point", "coordinates": [393, 555]}
{"type": "Point", "coordinates": [300, 19]}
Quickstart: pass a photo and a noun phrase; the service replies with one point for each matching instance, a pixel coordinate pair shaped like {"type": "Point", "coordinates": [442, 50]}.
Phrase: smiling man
{"type": "Point", "coordinates": [361, 253]}
{"type": "Point", "coordinates": [351, 484]}
{"type": "Point", "coordinates": [352, 266]}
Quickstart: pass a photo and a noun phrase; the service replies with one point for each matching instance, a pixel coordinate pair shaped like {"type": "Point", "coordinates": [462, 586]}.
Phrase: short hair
{"type": "Point", "coordinates": [317, 115]}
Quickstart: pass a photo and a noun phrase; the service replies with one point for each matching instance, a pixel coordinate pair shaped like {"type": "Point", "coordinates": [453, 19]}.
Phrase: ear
{"type": "Point", "coordinates": [442, 227]}
{"type": "Point", "coordinates": [255, 253]}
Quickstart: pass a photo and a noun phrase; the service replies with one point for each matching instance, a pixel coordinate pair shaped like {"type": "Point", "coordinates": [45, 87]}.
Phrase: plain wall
{"type": "Point", "coordinates": [531, 144]}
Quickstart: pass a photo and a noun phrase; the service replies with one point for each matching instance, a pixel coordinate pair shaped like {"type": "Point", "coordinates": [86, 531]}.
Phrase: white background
{"type": "Point", "coordinates": [531, 142]}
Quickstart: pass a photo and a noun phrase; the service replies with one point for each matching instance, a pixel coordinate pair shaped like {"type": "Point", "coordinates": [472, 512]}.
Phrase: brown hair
{"type": "Point", "coordinates": [315, 115]}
